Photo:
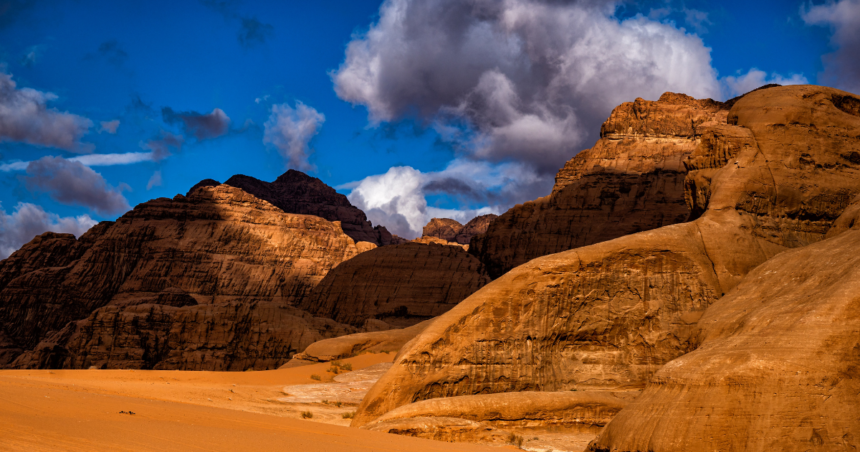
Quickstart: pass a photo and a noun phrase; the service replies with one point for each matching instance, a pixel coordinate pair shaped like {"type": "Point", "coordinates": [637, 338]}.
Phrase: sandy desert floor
{"type": "Point", "coordinates": [177, 410]}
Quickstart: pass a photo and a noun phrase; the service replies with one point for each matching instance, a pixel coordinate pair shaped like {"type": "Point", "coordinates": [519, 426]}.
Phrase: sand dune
{"type": "Point", "coordinates": [176, 410]}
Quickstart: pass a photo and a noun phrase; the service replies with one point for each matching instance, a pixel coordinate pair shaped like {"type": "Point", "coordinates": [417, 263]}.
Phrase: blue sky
{"type": "Point", "coordinates": [419, 137]}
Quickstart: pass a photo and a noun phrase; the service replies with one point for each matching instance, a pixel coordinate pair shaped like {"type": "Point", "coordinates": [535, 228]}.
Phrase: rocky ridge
{"type": "Point", "coordinates": [632, 180]}
{"type": "Point", "coordinates": [296, 192]}
{"type": "Point", "coordinates": [400, 285]}
{"type": "Point", "coordinates": [776, 175]}
{"type": "Point", "coordinates": [204, 282]}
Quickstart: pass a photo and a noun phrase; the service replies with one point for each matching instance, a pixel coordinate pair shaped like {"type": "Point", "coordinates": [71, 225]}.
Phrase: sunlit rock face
{"type": "Point", "coordinates": [776, 175]}
{"type": "Point", "coordinates": [208, 281]}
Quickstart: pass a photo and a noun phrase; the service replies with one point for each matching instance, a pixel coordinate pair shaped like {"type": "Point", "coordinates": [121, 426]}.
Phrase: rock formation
{"type": "Point", "coordinates": [296, 192]}
{"type": "Point", "coordinates": [207, 281]}
{"type": "Point", "coordinates": [632, 180]}
{"type": "Point", "coordinates": [608, 316]}
{"type": "Point", "coordinates": [452, 231]}
{"type": "Point", "coordinates": [775, 367]}
{"type": "Point", "coordinates": [400, 285]}
{"type": "Point", "coordinates": [354, 344]}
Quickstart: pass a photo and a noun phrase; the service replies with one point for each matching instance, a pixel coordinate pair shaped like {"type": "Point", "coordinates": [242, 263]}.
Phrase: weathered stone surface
{"type": "Point", "coordinates": [610, 315]}
{"type": "Point", "coordinates": [296, 192]}
{"type": "Point", "coordinates": [632, 180]}
{"type": "Point", "coordinates": [401, 285]}
{"type": "Point", "coordinates": [475, 226]}
{"type": "Point", "coordinates": [354, 344]}
{"type": "Point", "coordinates": [203, 282]}
{"type": "Point", "coordinates": [519, 410]}
{"type": "Point", "coordinates": [444, 429]}
{"type": "Point", "coordinates": [443, 228]}
{"type": "Point", "coordinates": [776, 367]}
{"type": "Point", "coordinates": [429, 240]}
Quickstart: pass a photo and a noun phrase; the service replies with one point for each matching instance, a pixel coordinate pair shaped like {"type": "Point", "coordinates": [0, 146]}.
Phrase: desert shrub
{"type": "Point", "coordinates": [516, 440]}
{"type": "Point", "coordinates": [307, 415]}
{"type": "Point", "coordinates": [346, 366]}
{"type": "Point", "coordinates": [349, 415]}
{"type": "Point", "coordinates": [316, 377]}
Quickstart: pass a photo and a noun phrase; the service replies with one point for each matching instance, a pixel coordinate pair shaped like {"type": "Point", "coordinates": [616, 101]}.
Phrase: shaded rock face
{"type": "Point", "coordinates": [296, 192]}
{"type": "Point", "coordinates": [354, 344]}
{"type": "Point", "coordinates": [610, 315]}
{"type": "Point", "coordinates": [201, 282]}
{"type": "Point", "coordinates": [452, 231]}
{"type": "Point", "coordinates": [632, 180]}
{"type": "Point", "coordinates": [776, 367]}
{"type": "Point", "coordinates": [401, 285]}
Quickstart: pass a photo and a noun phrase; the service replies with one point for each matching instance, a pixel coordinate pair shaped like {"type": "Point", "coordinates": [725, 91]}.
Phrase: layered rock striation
{"type": "Point", "coordinates": [632, 180]}
{"type": "Point", "coordinates": [204, 282]}
{"type": "Point", "coordinates": [608, 316]}
{"type": "Point", "coordinates": [775, 367]}
{"type": "Point", "coordinates": [296, 192]}
{"type": "Point", "coordinates": [401, 285]}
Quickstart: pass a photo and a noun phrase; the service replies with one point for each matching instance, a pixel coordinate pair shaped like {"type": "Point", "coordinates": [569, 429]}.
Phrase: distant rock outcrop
{"type": "Point", "coordinates": [632, 180]}
{"type": "Point", "coordinates": [296, 192]}
{"type": "Point", "coordinates": [777, 175]}
{"type": "Point", "coordinates": [452, 231]}
{"type": "Point", "coordinates": [400, 285]}
{"type": "Point", "coordinates": [204, 282]}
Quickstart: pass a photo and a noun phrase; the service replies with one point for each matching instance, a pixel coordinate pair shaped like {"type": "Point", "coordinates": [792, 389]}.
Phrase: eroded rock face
{"type": "Point", "coordinates": [201, 282]}
{"type": "Point", "coordinates": [632, 180]}
{"type": "Point", "coordinates": [401, 285]}
{"type": "Point", "coordinates": [610, 315]}
{"type": "Point", "coordinates": [443, 228]}
{"type": "Point", "coordinates": [296, 192]}
{"type": "Point", "coordinates": [354, 344]}
{"type": "Point", "coordinates": [775, 368]}
{"type": "Point", "coordinates": [475, 226]}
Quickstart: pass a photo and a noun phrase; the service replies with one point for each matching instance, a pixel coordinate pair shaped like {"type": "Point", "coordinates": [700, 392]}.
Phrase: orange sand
{"type": "Point", "coordinates": [176, 410]}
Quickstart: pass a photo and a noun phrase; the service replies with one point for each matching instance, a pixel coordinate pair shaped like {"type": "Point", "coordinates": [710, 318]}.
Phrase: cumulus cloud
{"type": "Point", "coordinates": [29, 220]}
{"type": "Point", "coordinates": [202, 125]}
{"type": "Point", "coordinates": [290, 131]}
{"type": "Point", "coordinates": [109, 126]}
{"type": "Point", "coordinates": [742, 84]}
{"type": "Point", "coordinates": [154, 181]}
{"type": "Point", "coordinates": [73, 183]}
{"type": "Point", "coordinates": [398, 198]}
{"type": "Point", "coordinates": [25, 117]}
{"type": "Point", "coordinates": [842, 67]}
{"type": "Point", "coordinates": [533, 79]}
{"type": "Point", "coordinates": [516, 86]}
{"type": "Point", "coordinates": [161, 147]}
{"type": "Point", "coordinates": [127, 158]}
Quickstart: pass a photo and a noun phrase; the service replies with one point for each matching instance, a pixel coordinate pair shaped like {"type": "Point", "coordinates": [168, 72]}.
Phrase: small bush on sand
{"type": "Point", "coordinates": [307, 415]}
{"type": "Point", "coordinates": [516, 440]}
{"type": "Point", "coordinates": [349, 415]}
{"type": "Point", "coordinates": [316, 377]}
{"type": "Point", "coordinates": [346, 366]}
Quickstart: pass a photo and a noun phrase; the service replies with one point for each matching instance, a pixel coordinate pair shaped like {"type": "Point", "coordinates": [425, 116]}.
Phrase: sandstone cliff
{"type": "Point", "coordinates": [206, 281]}
{"type": "Point", "coordinates": [775, 366]}
{"type": "Point", "coordinates": [452, 231]}
{"type": "Point", "coordinates": [296, 192]}
{"type": "Point", "coordinates": [400, 285]}
{"type": "Point", "coordinates": [608, 316]}
{"type": "Point", "coordinates": [632, 180]}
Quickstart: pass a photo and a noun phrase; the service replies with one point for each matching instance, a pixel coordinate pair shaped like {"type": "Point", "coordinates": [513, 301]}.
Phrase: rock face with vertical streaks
{"type": "Point", "coordinates": [608, 316]}
{"type": "Point", "coordinates": [296, 192]}
{"type": "Point", "coordinates": [399, 284]}
{"type": "Point", "coordinates": [204, 282]}
{"type": "Point", "coordinates": [632, 180]}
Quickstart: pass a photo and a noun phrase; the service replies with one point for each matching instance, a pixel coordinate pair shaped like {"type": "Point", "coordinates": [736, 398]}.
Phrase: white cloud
{"type": "Point", "coordinates": [25, 117]}
{"type": "Point", "coordinates": [742, 84]}
{"type": "Point", "coordinates": [29, 220]}
{"type": "Point", "coordinates": [397, 199]}
{"type": "Point", "coordinates": [290, 131]}
{"type": "Point", "coordinates": [127, 158]}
